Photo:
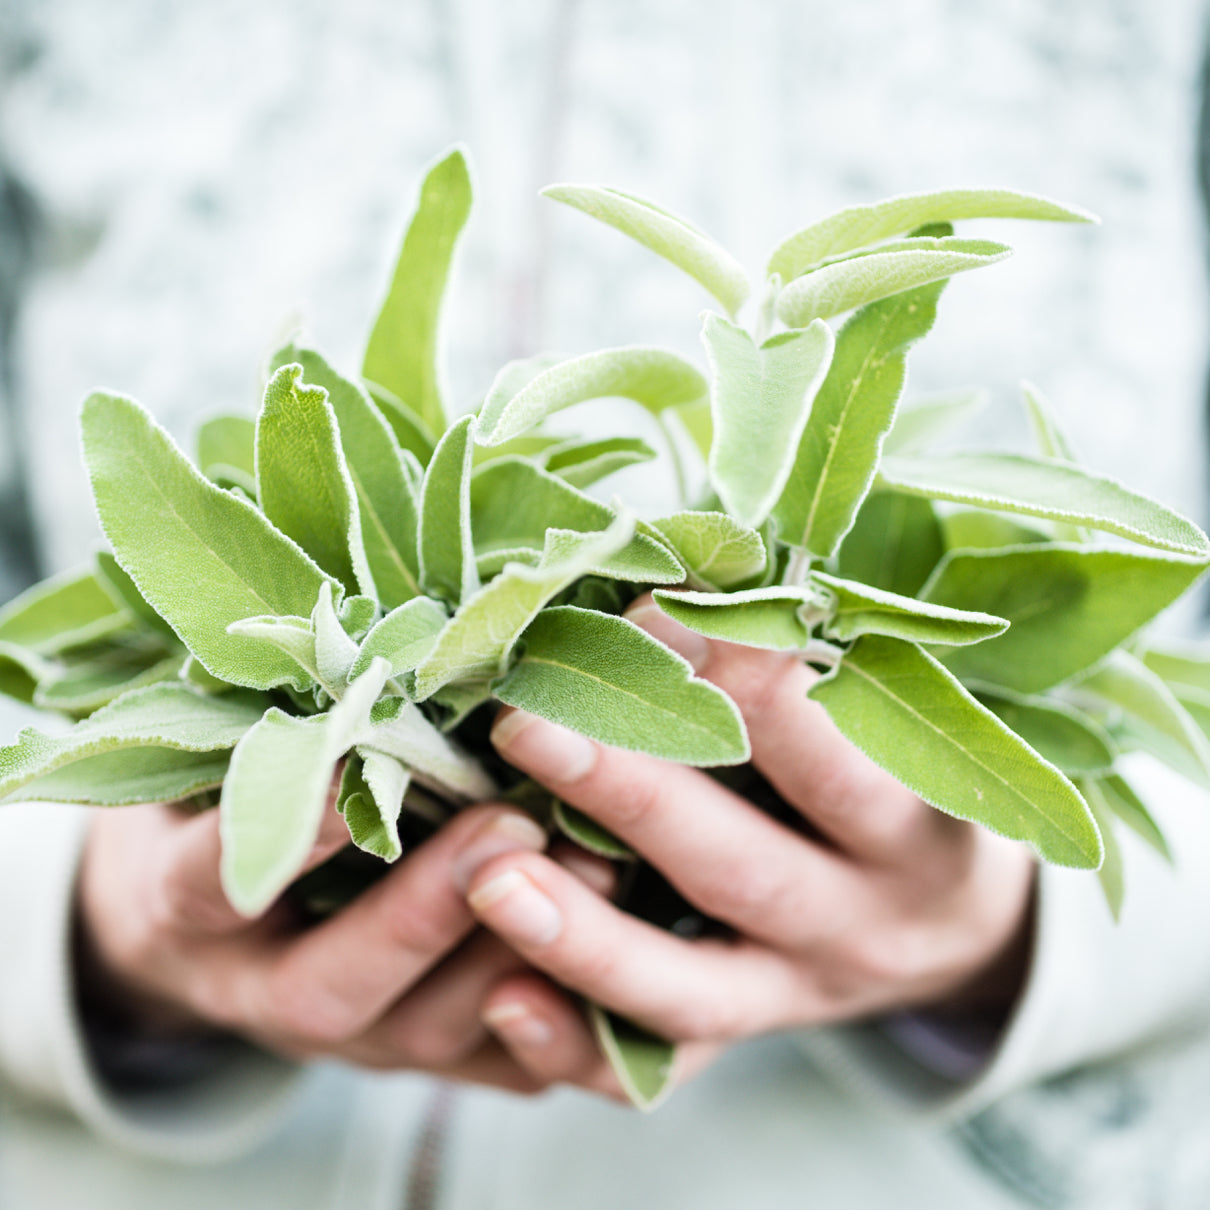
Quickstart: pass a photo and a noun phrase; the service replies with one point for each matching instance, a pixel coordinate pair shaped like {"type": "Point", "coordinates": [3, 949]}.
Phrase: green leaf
{"type": "Point", "coordinates": [303, 482]}
{"type": "Point", "coordinates": [1048, 436]}
{"type": "Point", "coordinates": [777, 618]}
{"type": "Point", "coordinates": [65, 611]}
{"type": "Point", "coordinates": [372, 787]}
{"type": "Point", "coordinates": [1111, 874]}
{"type": "Point", "coordinates": [476, 642]}
{"type": "Point", "coordinates": [386, 502]}
{"type": "Point", "coordinates": [718, 551]}
{"type": "Point", "coordinates": [403, 638]}
{"type": "Point", "coordinates": [20, 671]}
{"type": "Point", "coordinates": [1051, 489]}
{"type": "Point", "coordinates": [1121, 799]}
{"type": "Point", "coordinates": [201, 557]}
{"type": "Point", "coordinates": [894, 544]}
{"type": "Point", "coordinates": [582, 463]}
{"type": "Point", "coordinates": [588, 834]}
{"type": "Point", "coordinates": [125, 590]}
{"type": "Point", "coordinates": [1152, 713]}
{"type": "Point", "coordinates": [866, 278]}
{"type": "Point", "coordinates": [859, 226]}
{"type": "Point", "coordinates": [1070, 739]}
{"type": "Point", "coordinates": [276, 790]}
{"type": "Point", "coordinates": [460, 699]}
{"type": "Point", "coordinates": [335, 651]}
{"type": "Point", "coordinates": [160, 716]}
{"type": "Point", "coordinates": [1184, 666]}
{"type": "Point", "coordinates": [410, 431]}
{"type": "Point", "coordinates": [760, 400]}
{"type": "Point", "coordinates": [974, 529]}
{"type": "Point", "coordinates": [655, 378]}
{"type": "Point", "coordinates": [840, 446]}
{"type": "Point", "coordinates": [666, 234]}
{"type": "Point", "coordinates": [447, 553]}
{"type": "Point", "coordinates": [402, 354]}
{"type": "Point", "coordinates": [1068, 606]}
{"type": "Point", "coordinates": [399, 728]}
{"type": "Point", "coordinates": [643, 1062]}
{"type": "Point", "coordinates": [861, 609]}
{"type": "Point", "coordinates": [604, 677]}
{"type": "Point", "coordinates": [293, 637]}
{"type": "Point", "coordinates": [513, 503]}
{"type": "Point", "coordinates": [920, 424]}
{"type": "Point", "coordinates": [912, 718]}
{"type": "Point", "coordinates": [86, 686]}
{"type": "Point", "coordinates": [228, 442]}
{"type": "Point", "coordinates": [695, 419]}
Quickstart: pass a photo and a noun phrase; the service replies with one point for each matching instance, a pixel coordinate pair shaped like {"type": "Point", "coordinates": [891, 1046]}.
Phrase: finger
{"type": "Point", "coordinates": [699, 991]}
{"type": "Point", "coordinates": [798, 748]}
{"type": "Point", "coordinates": [188, 895]}
{"type": "Point", "coordinates": [438, 1023]}
{"type": "Point", "coordinates": [727, 857]}
{"type": "Point", "coordinates": [491, 1065]}
{"type": "Point", "coordinates": [331, 982]}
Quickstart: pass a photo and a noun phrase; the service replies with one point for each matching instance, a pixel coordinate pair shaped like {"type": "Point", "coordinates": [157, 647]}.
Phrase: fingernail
{"type": "Point", "coordinates": [694, 647]}
{"type": "Point", "coordinates": [516, 1024]}
{"type": "Point", "coordinates": [505, 834]}
{"type": "Point", "coordinates": [548, 751]}
{"type": "Point", "coordinates": [518, 909]}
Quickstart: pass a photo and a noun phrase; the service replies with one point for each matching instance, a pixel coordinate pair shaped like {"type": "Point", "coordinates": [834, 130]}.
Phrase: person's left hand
{"type": "Point", "coordinates": [882, 903]}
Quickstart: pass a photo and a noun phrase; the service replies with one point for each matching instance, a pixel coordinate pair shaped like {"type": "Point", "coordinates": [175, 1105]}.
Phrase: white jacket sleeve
{"type": "Point", "coordinates": [1095, 988]}
{"type": "Point", "coordinates": [43, 1053]}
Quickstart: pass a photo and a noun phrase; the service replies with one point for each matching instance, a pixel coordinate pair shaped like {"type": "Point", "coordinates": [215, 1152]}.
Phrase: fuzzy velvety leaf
{"type": "Point", "coordinates": [859, 226]}
{"type": "Point", "coordinates": [866, 278]}
{"type": "Point", "coordinates": [921, 423]}
{"type": "Point", "coordinates": [974, 529]}
{"type": "Point", "coordinates": [410, 431]}
{"type": "Point", "coordinates": [718, 551]}
{"type": "Point", "coordinates": [1185, 667]}
{"type": "Point", "coordinates": [159, 716]}
{"type": "Point", "coordinates": [65, 611]}
{"type": "Point", "coordinates": [894, 544]}
{"type": "Point", "coordinates": [302, 480]}
{"type": "Point", "coordinates": [293, 637]}
{"type": "Point", "coordinates": [20, 671]}
{"type": "Point", "coordinates": [228, 441]}
{"type": "Point", "coordinates": [372, 787]}
{"type": "Point", "coordinates": [402, 353]}
{"type": "Point", "coordinates": [399, 728]}
{"type": "Point", "coordinates": [1152, 713]}
{"type": "Point", "coordinates": [386, 502]}
{"type": "Point", "coordinates": [912, 717]}
{"type": "Point", "coordinates": [447, 554]}
{"type": "Point", "coordinates": [1068, 606]}
{"type": "Point", "coordinates": [276, 789]}
{"type": "Point", "coordinates": [588, 834]}
{"type": "Point", "coordinates": [126, 591]}
{"type": "Point", "coordinates": [201, 557]}
{"type": "Point", "coordinates": [582, 463]}
{"type": "Point", "coordinates": [85, 686]}
{"type": "Point", "coordinates": [1070, 739]}
{"type": "Point", "coordinates": [643, 1062]}
{"type": "Point", "coordinates": [604, 677]}
{"type": "Point", "coordinates": [335, 651]}
{"type": "Point", "coordinates": [1051, 489]}
{"type": "Point", "coordinates": [476, 642]}
{"type": "Point", "coordinates": [673, 238]}
{"type": "Point", "coordinates": [1111, 874]}
{"type": "Point", "coordinates": [1048, 436]}
{"type": "Point", "coordinates": [779, 618]}
{"type": "Point", "coordinates": [514, 502]}
{"type": "Point", "coordinates": [840, 447]}
{"type": "Point", "coordinates": [655, 378]}
{"type": "Point", "coordinates": [760, 399]}
{"type": "Point", "coordinates": [403, 638]}
{"type": "Point", "coordinates": [861, 609]}
{"type": "Point", "coordinates": [1121, 799]}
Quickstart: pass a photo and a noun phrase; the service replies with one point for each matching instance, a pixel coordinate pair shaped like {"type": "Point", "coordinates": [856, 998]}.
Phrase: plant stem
{"type": "Point", "coordinates": [798, 566]}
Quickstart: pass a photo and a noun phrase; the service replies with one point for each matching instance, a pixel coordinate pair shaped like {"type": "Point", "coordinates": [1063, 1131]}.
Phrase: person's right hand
{"type": "Point", "coordinates": [393, 980]}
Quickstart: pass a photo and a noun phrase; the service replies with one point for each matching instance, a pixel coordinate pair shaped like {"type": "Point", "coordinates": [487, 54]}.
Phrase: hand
{"type": "Point", "coordinates": [394, 980]}
{"type": "Point", "coordinates": [879, 903]}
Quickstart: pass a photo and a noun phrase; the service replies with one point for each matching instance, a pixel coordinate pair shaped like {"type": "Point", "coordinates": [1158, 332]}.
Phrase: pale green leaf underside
{"type": "Point", "coordinates": [667, 235]}
{"type": "Point", "coordinates": [861, 609]}
{"type": "Point", "coordinates": [403, 638]}
{"type": "Point", "coordinates": [846, 284]}
{"type": "Point", "coordinates": [402, 353]}
{"type": "Point", "coordinates": [654, 378]}
{"type": "Point", "coordinates": [911, 717]}
{"type": "Point", "coordinates": [1068, 606]}
{"type": "Point", "coordinates": [760, 400]}
{"type": "Point", "coordinates": [643, 1062]}
{"type": "Point", "coordinates": [604, 677]}
{"type": "Point", "coordinates": [777, 618]}
{"type": "Point", "coordinates": [372, 787]}
{"type": "Point", "coordinates": [859, 226]}
{"type": "Point", "coordinates": [716, 549]}
{"type": "Point", "coordinates": [200, 556]}
{"type": "Point", "coordinates": [1052, 489]}
{"type": "Point", "coordinates": [161, 716]}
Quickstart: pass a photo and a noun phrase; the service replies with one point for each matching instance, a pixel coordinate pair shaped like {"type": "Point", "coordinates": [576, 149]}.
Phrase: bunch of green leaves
{"type": "Point", "coordinates": [344, 585]}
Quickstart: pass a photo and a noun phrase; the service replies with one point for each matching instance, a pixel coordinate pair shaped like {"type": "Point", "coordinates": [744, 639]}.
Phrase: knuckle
{"type": "Point", "coordinates": [637, 801]}
{"type": "Point", "coordinates": [315, 1017]}
{"type": "Point", "coordinates": [419, 927]}
{"type": "Point", "coordinates": [747, 888]}
{"type": "Point", "coordinates": [703, 1020]}
{"type": "Point", "coordinates": [433, 1044]}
